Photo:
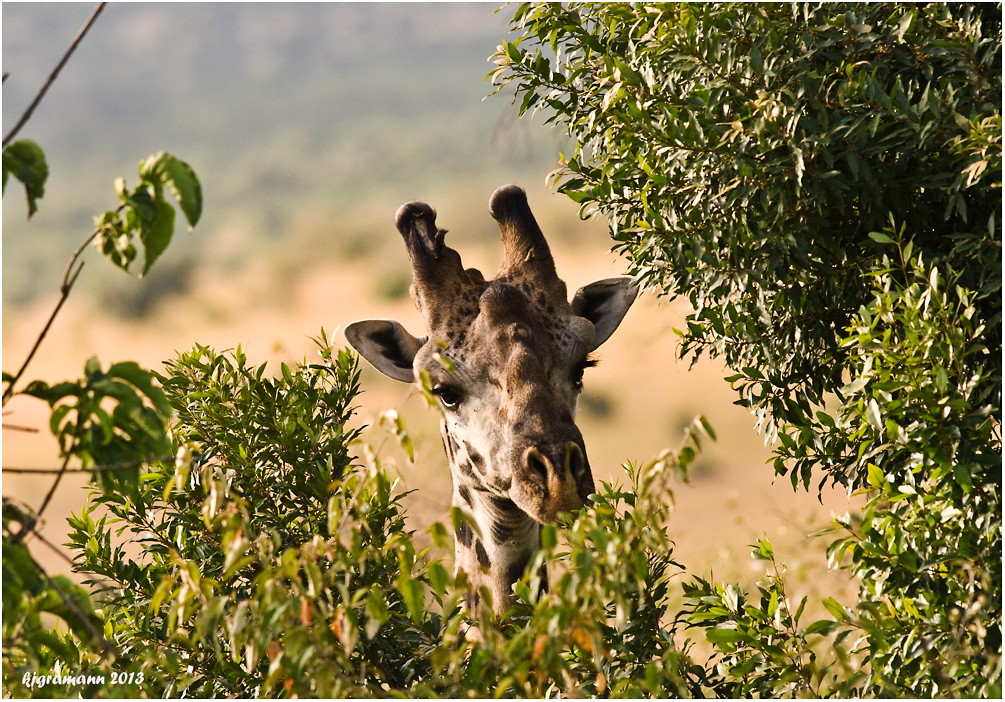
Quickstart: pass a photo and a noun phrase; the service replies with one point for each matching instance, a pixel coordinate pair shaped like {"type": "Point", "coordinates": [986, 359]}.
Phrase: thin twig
{"type": "Point", "coordinates": [76, 254]}
{"type": "Point", "coordinates": [62, 471]}
{"type": "Point", "coordinates": [18, 427]}
{"type": "Point", "coordinates": [55, 72]}
{"type": "Point", "coordinates": [105, 646]}
{"type": "Point", "coordinates": [62, 554]}
{"type": "Point", "coordinates": [95, 469]}
{"type": "Point", "coordinates": [69, 278]}
{"type": "Point", "coordinates": [64, 293]}
{"type": "Point", "coordinates": [53, 547]}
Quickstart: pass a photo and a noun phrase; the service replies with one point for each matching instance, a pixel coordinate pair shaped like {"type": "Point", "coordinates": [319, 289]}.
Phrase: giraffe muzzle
{"type": "Point", "coordinates": [544, 487]}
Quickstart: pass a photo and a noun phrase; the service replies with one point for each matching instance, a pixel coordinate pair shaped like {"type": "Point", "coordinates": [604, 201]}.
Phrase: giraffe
{"type": "Point", "coordinates": [505, 360]}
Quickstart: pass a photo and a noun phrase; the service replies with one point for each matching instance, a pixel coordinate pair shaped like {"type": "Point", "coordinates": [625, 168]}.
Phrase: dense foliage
{"type": "Point", "coordinates": [823, 184]}
{"type": "Point", "coordinates": [273, 564]}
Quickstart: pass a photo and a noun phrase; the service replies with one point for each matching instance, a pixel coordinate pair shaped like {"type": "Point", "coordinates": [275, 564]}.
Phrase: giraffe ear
{"type": "Point", "coordinates": [386, 345]}
{"type": "Point", "coordinates": [605, 303]}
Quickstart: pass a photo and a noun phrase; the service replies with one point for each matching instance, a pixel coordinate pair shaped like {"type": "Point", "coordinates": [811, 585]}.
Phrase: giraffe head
{"type": "Point", "coordinates": [505, 358]}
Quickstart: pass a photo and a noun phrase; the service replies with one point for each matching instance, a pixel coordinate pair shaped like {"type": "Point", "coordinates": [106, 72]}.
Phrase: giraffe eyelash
{"type": "Point", "coordinates": [580, 369]}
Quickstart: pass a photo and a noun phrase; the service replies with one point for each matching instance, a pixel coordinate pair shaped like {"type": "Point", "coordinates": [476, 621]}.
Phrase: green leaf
{"type": "Point", "coordinates": [60, 649]}
{"type": "Point", "coordinates": [376, 609]}
{"type": "Point", "coordinates": [441, 537]}
{"type": "Point", "coordinates": [156, 235]}
{"type": "Point", "coordinates": [412, 593]}
{"type": "Point", "coordinates": [855, 386]}
{"type": "Point", "coordinates": [180, 179]}
{"type": "Point", "coordinates": [875, 476]}
{"type": "Point", "coordinates": [824, 627]}
{"type": "Point", "coordinates": [25, 160]}
{"type": "Point", "coordinates": [963, 478]}
{"type": "Point", "coordinates": [835, 608]}
{"type": "Point", "coordinates": [459, 516]}
{"type": "Point", "coordinates": [143, 380]}
{"type": "Point", "coordinates": [719, 636]}
{"type": "Point", "coordinates": [941, 379]}
{"type": "Point", "coordinates": [707, 427]}
{"type": "Point", "coordinates": [549, 536]}
{"type": "Point", "coordinates": [763, 550]}
{"type": "Point", "coordinates": [438, 577]}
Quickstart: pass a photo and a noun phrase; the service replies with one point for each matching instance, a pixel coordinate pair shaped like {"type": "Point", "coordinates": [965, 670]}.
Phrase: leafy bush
{"type": "Point", "coordinates": [273, 564]}
{"type": "Point", "coordinates": [823, 184]}
{"type": "Point", "coordinates": [264, 551]}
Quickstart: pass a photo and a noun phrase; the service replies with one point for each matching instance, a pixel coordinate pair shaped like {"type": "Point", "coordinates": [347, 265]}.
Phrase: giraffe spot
{"type": "Point", "coordinates": [482, 554]}
{"type": "Point", "coordinates": [464, 534]}
{"type": "Point", "coordinates": [466, 471]}
{"type": "Point", "coordinates": [476, 458]}
{"type": "Point", "coordinates": [465, 494]}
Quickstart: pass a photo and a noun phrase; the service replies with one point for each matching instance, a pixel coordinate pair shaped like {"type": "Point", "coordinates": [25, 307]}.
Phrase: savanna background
{"type": "Point", "coordinates": [308, 125]}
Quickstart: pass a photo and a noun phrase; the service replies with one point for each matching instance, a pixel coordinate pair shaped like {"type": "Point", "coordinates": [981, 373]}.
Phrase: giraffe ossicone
{"type": "Point", "coordinates": [505, 358]}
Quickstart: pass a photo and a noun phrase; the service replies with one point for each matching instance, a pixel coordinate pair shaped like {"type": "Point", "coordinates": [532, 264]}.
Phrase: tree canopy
{"type": "Point", "coordinates": [823, 184]}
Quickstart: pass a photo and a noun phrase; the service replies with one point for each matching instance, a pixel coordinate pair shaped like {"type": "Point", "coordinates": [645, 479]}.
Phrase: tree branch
{"type": "Point", "coordinates": [55, 72]}
{"type": "Point", "coordinates": [105, 647]}
{"type": "Point", "coordinates": [96, 469]}
{"type": "Point", "coordinates": [59, 473]}
{"type": "Point", "coordinates": [18, 427]}
{"type": "Point", "coordinates": [69, 279]}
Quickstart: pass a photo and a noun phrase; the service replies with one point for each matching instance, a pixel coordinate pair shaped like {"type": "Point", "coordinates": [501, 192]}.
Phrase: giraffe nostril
{"type": "Point", "coordinates": [538, 465]}
{"type": "Point", "coordinates": [579, 469]}
{"type": "Point", "coordinates": [575, 460]}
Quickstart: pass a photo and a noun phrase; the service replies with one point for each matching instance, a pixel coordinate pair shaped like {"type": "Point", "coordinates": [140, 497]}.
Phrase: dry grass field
{"type": "Point", "coordinates": [636, 402]}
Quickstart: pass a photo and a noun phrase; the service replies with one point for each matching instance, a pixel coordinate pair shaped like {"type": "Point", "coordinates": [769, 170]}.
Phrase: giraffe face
{"type": "Point", "coordinates": [505, 359]}
{"type": "Point", "coordinates": [507, 380]}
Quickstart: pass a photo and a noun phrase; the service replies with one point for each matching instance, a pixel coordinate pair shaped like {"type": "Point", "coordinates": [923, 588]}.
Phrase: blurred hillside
{"type": "Point", "coordinates": [290, 114]}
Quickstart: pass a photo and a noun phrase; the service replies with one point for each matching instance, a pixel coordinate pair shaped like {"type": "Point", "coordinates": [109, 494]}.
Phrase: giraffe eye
{"type": "Point", "coordinates": [579, 370]}
{"type": "Point", "coordinates": [450, 396]}
{"type": "Point", "coordinates": [577, 377]}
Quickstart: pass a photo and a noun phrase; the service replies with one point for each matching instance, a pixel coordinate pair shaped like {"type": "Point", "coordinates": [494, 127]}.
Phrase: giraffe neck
{"type": "Point", "coordinates": [509, 539]}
